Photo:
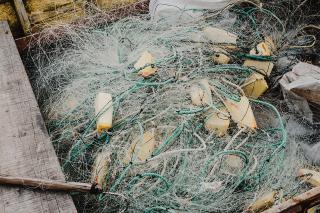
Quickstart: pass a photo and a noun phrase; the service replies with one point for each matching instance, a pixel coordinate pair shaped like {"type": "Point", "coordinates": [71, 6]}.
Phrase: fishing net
{"type": "Point", "coordinates": [190, 169]}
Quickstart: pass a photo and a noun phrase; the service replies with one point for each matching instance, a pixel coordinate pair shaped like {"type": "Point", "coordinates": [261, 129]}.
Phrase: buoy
{"type": "Point", "coordinates": [263, 49]}
{"type": "Point", "coordinates": [101, 167]}
{"type": "Point", "coordinates": [262, 203]}
{"type": "Point", "coordinates": [241, 112]}
{"type": "Point", "coordinates": [269, 41]}
{"type": "Point", "coordinates": [263, 67]}
{"type": "Point", "coordinates": [220, 56]}
{"type": "Point", "coordinates": [255, 86]}
{"type": "Point", "coordinates": [141, 148]}
{"type": "Point", "coordinates": [145, 59]}
{"type": "Point", "coordinates": [201, 93]}
{"type": "Point", "coordinates": [219, 36]}
{"type": "Point", "coordinates": [104, 111]}
{"type": "Point", "coordinates": [217, 123]}
{"type": "Point", "coordinates": [310, 176]}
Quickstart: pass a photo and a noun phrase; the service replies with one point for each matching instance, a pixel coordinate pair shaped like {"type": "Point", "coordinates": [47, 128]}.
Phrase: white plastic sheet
{"type": "Point", "coordinates": [301, 90]}
{"type": "Point", "coordinates": [184, 9]}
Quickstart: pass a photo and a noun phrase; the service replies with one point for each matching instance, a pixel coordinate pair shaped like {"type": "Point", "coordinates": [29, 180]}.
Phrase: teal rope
{"type": "Point", "coordinates": [134, 180]}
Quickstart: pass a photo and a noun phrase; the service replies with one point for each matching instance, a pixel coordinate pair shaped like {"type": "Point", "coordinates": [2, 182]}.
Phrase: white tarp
{"type": "Point", "coordinates": [184, 9]}
{"type": "Point", "coordinates": [301, 90]}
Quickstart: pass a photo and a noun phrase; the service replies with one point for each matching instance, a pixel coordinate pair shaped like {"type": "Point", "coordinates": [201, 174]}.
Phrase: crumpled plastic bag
{"type": "Point", "coordinates": [301, 90]}
{"type": "Point", "coordinates": [184, 9]}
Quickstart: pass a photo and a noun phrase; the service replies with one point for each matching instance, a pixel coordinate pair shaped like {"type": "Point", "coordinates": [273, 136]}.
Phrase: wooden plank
{"type": "Point", "coordinates": [299, 203]}
{"type": "Point", "coordinates": [25, 148]}
{"type": "Point", "coordinates": [23, 16]}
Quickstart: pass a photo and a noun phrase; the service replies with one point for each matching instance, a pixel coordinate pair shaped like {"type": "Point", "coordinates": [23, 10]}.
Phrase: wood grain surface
{"type": "Point", "coordinates": [25, 148]}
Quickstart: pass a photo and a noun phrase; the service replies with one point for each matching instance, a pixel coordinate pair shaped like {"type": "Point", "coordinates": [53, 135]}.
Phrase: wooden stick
{"type": "Point", "coordinates": [299, 203]}
{"type": "Point", "coordinates": [53, 185]}
{"type": "Point", "coordinates": [23, 16]}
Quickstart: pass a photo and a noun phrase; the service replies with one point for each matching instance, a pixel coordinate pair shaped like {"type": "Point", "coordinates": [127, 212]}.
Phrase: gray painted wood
{"type": "Point", "coordinates": [25, 148]}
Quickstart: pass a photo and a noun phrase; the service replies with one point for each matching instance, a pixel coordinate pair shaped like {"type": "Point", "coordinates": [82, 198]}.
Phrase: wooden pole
{"type": "Point", "coordinates": [50, 184]}
{"type": "Point", "coordinates": [300, 203]}
{"type": "Point", "coordinates": [23, 16]}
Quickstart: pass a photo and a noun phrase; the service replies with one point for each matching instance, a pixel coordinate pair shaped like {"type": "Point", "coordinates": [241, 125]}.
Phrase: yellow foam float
{"type": "Point", "coordinates": [100, 168]}
{"type": "Point", "coordinates": [141, 148]}
{"type": "Point", "coordinates": [201, 93]}
{"type": "Point", "coordinates": [241, 112]}
{"type": "Point", "coordinates": [255, 86]}
{"type": "Point", "coordinates": [146, 59]}
{"type": "Point", "coordinates": [217, 123]}
{"type": "Point", "coordinates": [310, 176]}
{"type": "Point", "coordinates": [219, 36]}
{"type": "Point", "coordinates": [104, 111]}
{"type": "Point", "coordinates": [262, 203]}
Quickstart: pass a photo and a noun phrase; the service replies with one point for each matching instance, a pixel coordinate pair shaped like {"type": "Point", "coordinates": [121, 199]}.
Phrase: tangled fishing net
{"type": "Point", "coordinates": [190, 168]}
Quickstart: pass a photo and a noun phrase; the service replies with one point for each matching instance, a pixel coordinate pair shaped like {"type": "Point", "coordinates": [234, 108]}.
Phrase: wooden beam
{"type": "Point", "coordinates": [23, 16]}
{"type": "Point", "coordinates": [53, 185]}
{"type": "Point", "coordinates": [25, 147]}
{"type": "Point", "coordinates": [300, 203]}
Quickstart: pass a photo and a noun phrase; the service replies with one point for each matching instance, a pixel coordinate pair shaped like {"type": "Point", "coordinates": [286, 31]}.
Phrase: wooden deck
{"type": "Point", "coordinates": [25, 148]}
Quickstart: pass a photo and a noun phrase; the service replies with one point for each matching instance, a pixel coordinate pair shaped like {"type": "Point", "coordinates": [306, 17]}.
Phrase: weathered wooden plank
{"type": "Point", "coordinates": [23, 16]}
{"type": "Point", "coordinates": [25, 148]}
{"type": "Point", "coordinates": [299, 203]}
